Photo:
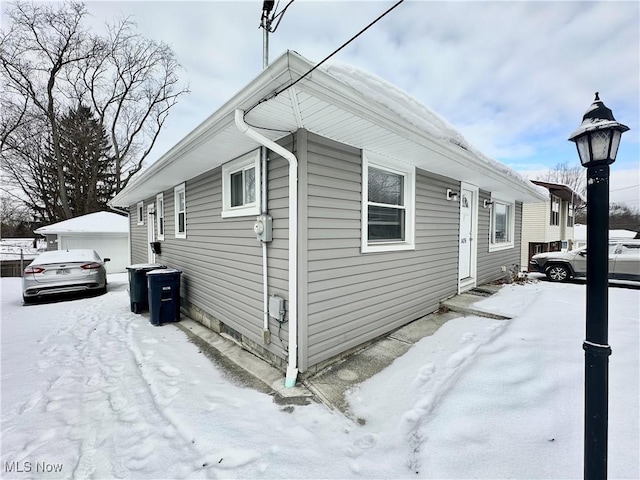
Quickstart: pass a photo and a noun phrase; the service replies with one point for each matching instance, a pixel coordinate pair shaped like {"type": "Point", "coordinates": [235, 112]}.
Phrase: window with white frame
{"type": "Point", "coordinates": [555, 210]}
{"type": "Point", "coordinates": [140, 207]}
{"type": "Point", "coordinates": [569, 214]}
{"type": "Point", "coordinates": [388, 204]}
{"type": "Point", "coordinates": [241, 186]}
{"type": "Point", "coordinates": [160, 216]}
{"type": "Point", "coordinates": [180, 211]}
{"type": "Point", "coordinates": [502, 225]}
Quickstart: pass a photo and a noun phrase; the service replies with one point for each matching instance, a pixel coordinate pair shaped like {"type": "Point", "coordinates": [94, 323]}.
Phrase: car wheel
{"type": "Point", "coordinates": [558, 273]}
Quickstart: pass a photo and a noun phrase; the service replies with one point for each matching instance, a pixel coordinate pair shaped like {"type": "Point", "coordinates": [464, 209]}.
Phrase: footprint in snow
{"type": "Point", "coordinates": [366, 441]}
{"type": "Point", "coordinates": [129, 415]}
{"type": "Point", "coordinates": [43, 364]}
{"type": "Point", "coordinates": [467, 337]}
{"type": "Point", "coordinates": [31, 403]}
{"type": "Point", "coordinates": [426, 372]}
{"type": "Point", "coordinates": [231, 458]}
{"type": "Point", "coordinates": [117, 402]}
{"type": "Point", "coordinates": [43, 438]}
{"type": "Point", "coordinates": [169, 432]}
{"type": "Point", "coordinates": [54, 405]}
{"type": "Point", "coordinates": [94, 380]}
{"type": "Point", "coordinates": [169, 371]}
{"type": "Point", "coordinates": [117, 368]}
{"type": "Point", "coordinates": [49, 352]}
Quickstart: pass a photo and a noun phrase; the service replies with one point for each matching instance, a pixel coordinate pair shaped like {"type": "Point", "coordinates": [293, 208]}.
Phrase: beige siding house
{"type": "Point", "coordinates": [549, 226]}
{"type": "Point", "coordinates": [367, 210]}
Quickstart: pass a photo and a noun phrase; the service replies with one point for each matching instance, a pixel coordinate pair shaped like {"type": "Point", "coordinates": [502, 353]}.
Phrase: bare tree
{"type": "Point", "coordinates": [571, 176]}
{"type": "Point", "coordinates": [49, 63]}
{"type": "Point", "coordinates": [131, 85]}
{"type": "Point", "coordinates": [42, 43]}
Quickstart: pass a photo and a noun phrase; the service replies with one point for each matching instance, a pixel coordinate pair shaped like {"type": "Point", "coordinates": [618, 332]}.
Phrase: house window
{"type": "Point", "coordinates": [569, 214]}
{"type": "Point", "coordinates": [555, 210]}
{"type": "Point", "coordinates": [180, 209]}
{"type": "Point", "coordinates": [388, 206]}
{"type": "Point", "coordinates": [140, 207]}
{"type": "Point", "coordinates": [241, 186]}
{"type": "Point", "coordinates": [502, 225]}
{"type": "Point", "coordinates": [160, 216]}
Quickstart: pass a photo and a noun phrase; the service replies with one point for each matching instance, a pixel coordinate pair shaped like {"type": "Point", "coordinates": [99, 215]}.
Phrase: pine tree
{"type": "Point", "coordinates": [88, 164]}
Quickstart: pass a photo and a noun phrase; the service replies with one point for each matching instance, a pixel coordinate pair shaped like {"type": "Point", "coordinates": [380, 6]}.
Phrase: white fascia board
{"type": "Point", "coordinates": [282, 71]}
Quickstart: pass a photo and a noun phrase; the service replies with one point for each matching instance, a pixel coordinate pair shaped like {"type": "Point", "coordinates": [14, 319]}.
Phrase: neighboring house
{"type": "Point", "coordinates": [580, 235]}
{"type": "Point", "coordinates": [105, 232]}
{"type": "Point", "coordinates": [548, 226]}
{"type": "Point", "coordinates": [378, 210]}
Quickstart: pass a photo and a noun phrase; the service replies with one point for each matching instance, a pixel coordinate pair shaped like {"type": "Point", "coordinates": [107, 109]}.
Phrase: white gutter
{"type": "Point", "coordinates": [292, 366]}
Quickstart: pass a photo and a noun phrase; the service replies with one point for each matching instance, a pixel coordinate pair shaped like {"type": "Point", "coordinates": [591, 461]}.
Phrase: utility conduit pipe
{"type": "Point", "coordinates": [292, 363]}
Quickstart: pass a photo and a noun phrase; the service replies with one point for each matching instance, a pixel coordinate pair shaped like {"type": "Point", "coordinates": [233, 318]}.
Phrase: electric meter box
{"type": "Point", "coordinates": [263, 228]}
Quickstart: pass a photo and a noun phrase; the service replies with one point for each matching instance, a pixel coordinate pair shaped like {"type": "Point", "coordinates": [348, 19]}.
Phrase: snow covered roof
{"type": "Point", "coordinates": [342, 103]}
{"type": "Point", "coordinates": [580, 233]}
{"type": "Point", "coordinates": [99, 222]}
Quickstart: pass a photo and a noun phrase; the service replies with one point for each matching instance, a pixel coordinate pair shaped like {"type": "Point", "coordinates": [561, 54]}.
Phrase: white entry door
{"type": "Point", "coordinates": [151, 231]}
{"type": "Point", "coordinates": [468, 228]}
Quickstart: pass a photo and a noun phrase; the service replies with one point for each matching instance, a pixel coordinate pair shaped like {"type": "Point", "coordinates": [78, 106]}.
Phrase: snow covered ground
{"type": "Point", "coordinates": [91, 390]}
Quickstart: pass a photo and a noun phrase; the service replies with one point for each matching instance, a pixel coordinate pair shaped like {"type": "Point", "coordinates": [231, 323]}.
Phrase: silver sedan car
{"type": "Point", "coordinates": [64, 271]}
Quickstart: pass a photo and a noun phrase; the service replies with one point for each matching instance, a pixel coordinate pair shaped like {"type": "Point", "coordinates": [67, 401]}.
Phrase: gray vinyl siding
{"type": "Point", "coordinates": [138, 236]}
{"type": "Point", "coordinates": [354, 297]}
{"type": "Point", "coordinates": [490, 263]}
{"type": "Point", "coordinates": [220, 258]}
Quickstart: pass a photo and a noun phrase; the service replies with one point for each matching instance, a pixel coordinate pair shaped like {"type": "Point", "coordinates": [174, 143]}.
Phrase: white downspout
{"type": "Point", "coordinates": [265, 277]}
{"type": "Point", "coordinates": [292, 365]}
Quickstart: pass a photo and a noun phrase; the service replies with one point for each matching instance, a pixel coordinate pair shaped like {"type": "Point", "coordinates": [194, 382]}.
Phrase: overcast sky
{"type": "Point", "coordinates": [513, 77]}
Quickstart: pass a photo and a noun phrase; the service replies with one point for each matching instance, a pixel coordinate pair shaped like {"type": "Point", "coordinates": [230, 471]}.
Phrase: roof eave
{"type": "Point", "coordinates": [277, 73]}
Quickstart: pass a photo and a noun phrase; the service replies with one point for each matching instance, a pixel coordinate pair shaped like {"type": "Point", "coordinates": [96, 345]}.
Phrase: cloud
{"type": "Point", "coordinates": [514, 77]}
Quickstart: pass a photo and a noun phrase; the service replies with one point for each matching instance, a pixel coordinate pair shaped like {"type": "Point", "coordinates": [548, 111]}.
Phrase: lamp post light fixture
{"type": "Point", "coordinates": [597, 140]}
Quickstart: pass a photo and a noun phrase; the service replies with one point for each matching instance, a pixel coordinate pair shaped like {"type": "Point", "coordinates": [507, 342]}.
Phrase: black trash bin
{"type": "Point", "coordinates": [138, 291]}
{"type": "Point", "coordinates": [164, 295]}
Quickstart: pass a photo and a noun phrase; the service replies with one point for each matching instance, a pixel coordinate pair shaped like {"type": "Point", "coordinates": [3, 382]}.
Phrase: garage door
{"type": "Point", "coordinates": [115, 248]}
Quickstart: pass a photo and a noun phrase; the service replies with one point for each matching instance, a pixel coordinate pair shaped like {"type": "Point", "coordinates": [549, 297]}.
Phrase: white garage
{"type": "Point", "coordinates": [105, 232]}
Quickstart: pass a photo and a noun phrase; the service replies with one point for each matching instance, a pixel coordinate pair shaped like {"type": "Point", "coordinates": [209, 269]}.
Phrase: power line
{"type": "Point", "coordinates": [278, 92]}
{"type": "Point", "coordinates": [341, 47]}
{"type": "Point", "coordinates": [624, 188]}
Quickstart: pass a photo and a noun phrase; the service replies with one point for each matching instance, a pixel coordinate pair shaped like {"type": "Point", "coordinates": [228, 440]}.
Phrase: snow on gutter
{"type": "Point", "coordinates": [395, 103]}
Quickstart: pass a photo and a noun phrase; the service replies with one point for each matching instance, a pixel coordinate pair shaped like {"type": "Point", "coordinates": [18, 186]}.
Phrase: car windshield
{"type": "Point", "coordinates": [69, 256]}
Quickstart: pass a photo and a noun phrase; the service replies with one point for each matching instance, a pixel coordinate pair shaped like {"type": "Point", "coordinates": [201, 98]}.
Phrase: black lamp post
{"type": "Point", "coordinates": [597, 139]}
